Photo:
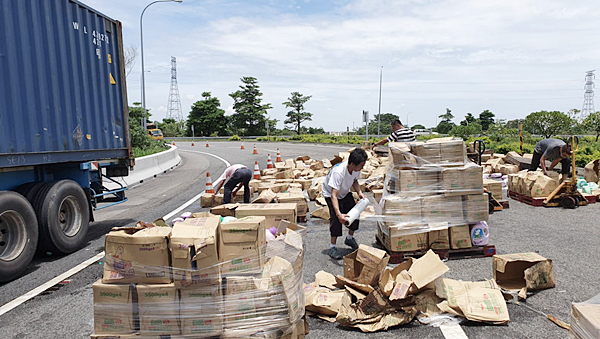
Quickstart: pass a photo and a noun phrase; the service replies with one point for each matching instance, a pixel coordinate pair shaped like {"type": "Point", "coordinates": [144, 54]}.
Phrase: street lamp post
{"type": "Point", "coordinates": [379, 112]}
{"type": "Point", "coordinates": [407, 114]}
{"type": "Point", "coordinates": [142, 55]}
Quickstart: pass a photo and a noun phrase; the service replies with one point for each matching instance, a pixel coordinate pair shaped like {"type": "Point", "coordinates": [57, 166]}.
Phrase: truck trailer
{"type": "Point", "coordinates": [64, 127]}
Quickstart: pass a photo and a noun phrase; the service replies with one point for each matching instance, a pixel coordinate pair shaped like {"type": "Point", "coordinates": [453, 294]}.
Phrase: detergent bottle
{"type": "Point", "coordinates": [480, 234]}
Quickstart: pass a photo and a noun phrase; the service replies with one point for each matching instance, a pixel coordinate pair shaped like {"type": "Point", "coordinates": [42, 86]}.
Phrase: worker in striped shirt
{"type": "Point", "coordinates": [400, 134]}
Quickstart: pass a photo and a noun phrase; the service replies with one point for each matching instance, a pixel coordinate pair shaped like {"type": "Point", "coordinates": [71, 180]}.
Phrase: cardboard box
{"type": "Point", "coordinates": [242, 245]}
{"type": "Point", "coordinates": [460, 237]}
{"type": "Point", "coordinates": [321, 300]}
{"type": "Point", "coordinates": [283, 287]}
{"type": "Point", "coordinates": [253, 184]}
{"type": "Point", "coordinates": [298, 198]}
{"type": "Point", "coordinates": [158, 309]}
{"type": "Point", "coordinates": [466, 180]}
{"type": "Point", "coordinates": [377, 195]}
{"type": "Point", "coordinates": [305, 183]}
{"type": "Point", "coordinates": [201, 310]}
{"type": "Point", "coordinates": [439, 240]}
{"type": "Point", "coordinates": [415, 182]}
{"type": "Point", "coordinates": [365, 264]}
{"type": "Point", "coordinates": [227, 210]}
{"type": "Point", "coordinates": [495, 187]}
{"type": "Point", "coordinates": [194, 255]}
{"type": "Point", "coordinates": [137, 256]}
{"type": "Point", "coordinates": [402, 209]}
{"type": "Point", "coordinates": [528, 271]}
{"type": "Point", "coordinates": [287, 174]}
{"type": "Point", "coordinates": [476, 207]}
{"type": "Point", "coordinates": [273, 213]}
{"type": "Point", "coordinates": [113, 308]}
{"type": "Point", "coordinates": [397, 241]}
{"type": "Point", "coordinates": [426, 153]}
{"type": "Point", "coordinates": [453, 152]}
{"type": "Point", "coordinates": [245, 305]}
{"type": "Point", "coordinates": [585, 320]}
{"type": "Point", "coordinates": [442, 208]}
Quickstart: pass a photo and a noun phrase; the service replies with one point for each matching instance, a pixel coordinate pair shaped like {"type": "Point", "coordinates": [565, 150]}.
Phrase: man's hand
{"type": "Point", "coordinates": [343, 218]}
{"type": "Point", "coordinates": [362, 195]}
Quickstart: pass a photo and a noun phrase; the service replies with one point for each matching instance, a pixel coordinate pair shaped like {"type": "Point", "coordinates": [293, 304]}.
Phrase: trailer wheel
{"type": "Point", "coordinates": [18, 235]}
{"type": "Point", "coordinates": [63, 215]}
{"type": "Point", "coordinates": [568, 202]}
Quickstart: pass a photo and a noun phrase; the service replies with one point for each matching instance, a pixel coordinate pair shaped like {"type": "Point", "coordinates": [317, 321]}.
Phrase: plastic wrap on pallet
{"type": "Point", "coordinates": [435, 152]}
{"type": "Point", "coordinates": [202, 278]}
{"type": "Point", "coordinates": [584, 319]}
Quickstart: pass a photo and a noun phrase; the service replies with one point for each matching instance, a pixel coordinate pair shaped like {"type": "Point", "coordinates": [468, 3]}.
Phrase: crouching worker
{"type": "Point", "coordinates": [234, 177]}
{"type": "Point", "coordinates": [555, 150]}
{"type": "Point", "coordinates": [336, 190]}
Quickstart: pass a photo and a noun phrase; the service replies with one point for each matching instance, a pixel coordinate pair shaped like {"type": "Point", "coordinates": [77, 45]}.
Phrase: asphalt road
{"type": "Point", "coordinates": [568, 237]}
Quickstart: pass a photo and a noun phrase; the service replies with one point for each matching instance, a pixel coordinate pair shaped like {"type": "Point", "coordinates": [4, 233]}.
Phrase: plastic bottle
{"type": "Point", "coordinates": [480, 234]}
{"type": "Point", "coordinates": [176, 220]}
{"type": "Point", "coordinates": [186, 215]}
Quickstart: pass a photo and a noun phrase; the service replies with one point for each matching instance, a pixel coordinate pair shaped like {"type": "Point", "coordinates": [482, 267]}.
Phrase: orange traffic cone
{"type": "Point", "coordinates": [278, 155]}
{"type": "Point", "coordinates": [209, 185]}
{"type": "Point", "coordinates": [269, 161]}
{"type": "Point", "coordinates": [255, 151]}
{"type": "Point", "coordinates": [207, 144]}
{"type": "Point", "coordinates": [243, 145]}
{"type": "Point", "coordinates": [256, 171]}
{"type": "Point", "coordinates": [173, 143]}
{"type": "Point", "coordinates": [192, 143]}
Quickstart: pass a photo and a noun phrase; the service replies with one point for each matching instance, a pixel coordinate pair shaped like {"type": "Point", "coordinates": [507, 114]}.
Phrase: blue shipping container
{"type": "Point", "coordinates": [62, 84]}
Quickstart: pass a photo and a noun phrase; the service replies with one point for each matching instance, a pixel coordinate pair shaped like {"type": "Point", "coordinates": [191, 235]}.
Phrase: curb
{"type": "Point", "coordinates": [147, 167]}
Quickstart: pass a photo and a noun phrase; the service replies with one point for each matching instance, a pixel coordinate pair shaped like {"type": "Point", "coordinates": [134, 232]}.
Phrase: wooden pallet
{"type": "Point", "coordinates": [448, 254]}
{"type": "Point", "coordinates": [525, 199]}
{"type": "Point", "coordinates": [540, 201]}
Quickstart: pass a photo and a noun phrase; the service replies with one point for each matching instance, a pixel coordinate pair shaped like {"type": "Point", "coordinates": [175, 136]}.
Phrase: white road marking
{"type": "Point", "coordinates": [453, 331]}
{"type": "Point", "coordinates": [36, 291]}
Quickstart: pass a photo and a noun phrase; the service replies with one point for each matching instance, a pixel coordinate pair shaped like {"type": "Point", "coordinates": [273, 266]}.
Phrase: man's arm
{"type": "Point", "coordinates": [543, 164]}
{"type": "Point", "coordinates": [356, 187]}
{"type": "Point", "coordinates": [343, 218]}
{"type": "Point", "coordinates": [554, 163]}
{"type": "Point", "coordinates": [237, 188]}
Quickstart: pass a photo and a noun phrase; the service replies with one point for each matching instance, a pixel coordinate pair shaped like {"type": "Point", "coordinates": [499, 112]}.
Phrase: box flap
{"type": "Point", "coordinates": [143, 236]}
{"type": "Point", "coordinates": [426, 269]}
{"type": "Point", "coordinates": [370, 256]}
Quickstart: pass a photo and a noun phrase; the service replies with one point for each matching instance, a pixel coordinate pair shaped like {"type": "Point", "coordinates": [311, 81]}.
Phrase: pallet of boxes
{"type": "Point", "coordinates": [532, 187]}
{"type": "Point", "coordinates": [432, 198]}
{"type": "Point", "coordinates": [201, 278]}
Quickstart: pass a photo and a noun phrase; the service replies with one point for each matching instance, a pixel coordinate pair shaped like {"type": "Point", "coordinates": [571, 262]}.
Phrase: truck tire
{"type": "Point", "coordinates": [18, 235]}
{"type": "Point", "coordinates": [63, 216]}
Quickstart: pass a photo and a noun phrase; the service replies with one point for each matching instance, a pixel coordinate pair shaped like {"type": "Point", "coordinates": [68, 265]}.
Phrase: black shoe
{"type": "Point", "coordinates": [352, 243]}
{"type": "Point", "coordinates": [333, 253]}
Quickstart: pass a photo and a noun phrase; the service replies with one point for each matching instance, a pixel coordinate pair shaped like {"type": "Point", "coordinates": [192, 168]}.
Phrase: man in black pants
{"type": "Point", "coordinates": [555, 150]}
{"type": "Point", "coordinates": [235, 175]}
{"type": "Point", "coordinates": [336, 190]}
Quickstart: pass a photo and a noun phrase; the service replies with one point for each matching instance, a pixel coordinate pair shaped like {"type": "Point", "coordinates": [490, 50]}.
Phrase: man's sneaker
{"type": "Point", "coordinates": [333, 253]}
{"type": "Point", "coordinates": [352, 243]}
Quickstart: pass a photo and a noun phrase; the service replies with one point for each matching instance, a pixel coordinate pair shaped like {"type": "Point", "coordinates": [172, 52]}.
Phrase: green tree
{"type": "Point", "coordinates": [466, 131]}
{"type": "Point", "coordinates": [171, 128]}
{"type": "Point", "coordinates": [273, 126]}
{"type": "Point", "coordinates": [139, 136]}
{"type": "Point", "coordinates": [548, 123]}
{"type": "Point", "coordinates": [297, 115]}
{"type": "Point", "coordinates": [469, 118]}
{"type": "Point", "coordinates": [250, 114]}
{"type": "Point", "coordinates": [385, 123]}
{"type": "Point", "coordinates": [592, 123]}
{"type": "Point", "coordinates": [486, 118]}
{"type": "Point", "coordinates": [207, 117]}
{"type": "Point", "coordinates": [444, 127]}
{"type": "Point", "coordinates": [417, 126]}
{"type": "Point", "coordinates": [448, 116]}
{"type": "Point", "coordinates": [313, 130]}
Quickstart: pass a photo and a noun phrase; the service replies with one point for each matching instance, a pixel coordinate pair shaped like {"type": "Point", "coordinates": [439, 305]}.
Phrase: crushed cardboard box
{"type": "Point", "coordinates": [522, 272]}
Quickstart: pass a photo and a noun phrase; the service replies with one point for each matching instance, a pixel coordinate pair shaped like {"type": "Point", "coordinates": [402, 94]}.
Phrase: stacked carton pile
{"type": "Point", "coordinates": [431, 196]}
{"type": "Point", "coordinates": [585, 319]}
{"type": "Point", "coordinates": [300, 180]}
{"type": "Point", "coordinates": [500, 163]}
{"type": "Point", "coordinates": [373, 297]}
{"type": "Point", "coordinates": [201, 278]}
{"type": "Point", "coordinates": [533, 184]}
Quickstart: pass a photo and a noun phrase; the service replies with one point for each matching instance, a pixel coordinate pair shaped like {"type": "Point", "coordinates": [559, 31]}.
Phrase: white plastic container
{"type": "Point", "coordinates": [480, 234]}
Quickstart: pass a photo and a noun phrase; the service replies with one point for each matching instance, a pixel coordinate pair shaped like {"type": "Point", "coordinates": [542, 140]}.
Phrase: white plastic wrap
{"type": "Point", "coordinates": [220, 280]}
{"type": "Point", "coordinates": [354, 213]}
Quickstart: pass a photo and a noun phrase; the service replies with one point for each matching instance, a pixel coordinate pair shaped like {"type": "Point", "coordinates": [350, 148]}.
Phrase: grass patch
{"type": "Point", "coordinates": [155, 148]}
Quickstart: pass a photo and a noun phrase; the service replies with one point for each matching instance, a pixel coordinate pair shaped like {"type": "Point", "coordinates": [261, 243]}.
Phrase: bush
{"type": "Point", "coordinates": [235, 138]}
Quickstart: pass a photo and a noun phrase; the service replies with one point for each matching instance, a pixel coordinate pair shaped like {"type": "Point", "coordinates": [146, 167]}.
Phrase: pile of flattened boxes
{"type": "Point", "coordinates": [201, 278]}
{"type": "Point", "coordinates": [432, 195]}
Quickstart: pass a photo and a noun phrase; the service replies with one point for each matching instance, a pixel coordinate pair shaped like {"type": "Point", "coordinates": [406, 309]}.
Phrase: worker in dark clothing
{"type": "Point", "coordinates": [555, 150]}
{"type": "Point", "coordinates": [235, 176]}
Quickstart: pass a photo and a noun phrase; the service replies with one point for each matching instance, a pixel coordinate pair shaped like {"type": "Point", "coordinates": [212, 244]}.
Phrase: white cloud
{"type": "Point", "coordinates": [512, 57]}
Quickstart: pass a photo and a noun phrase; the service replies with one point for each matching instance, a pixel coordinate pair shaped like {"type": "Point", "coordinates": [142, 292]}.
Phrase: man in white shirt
{"type": "Point", "coordinates": [400, 134]}
{"type": "Point", "coordinates": [336, 190]}
{"type": "Point", "coordinates": [233, 178]}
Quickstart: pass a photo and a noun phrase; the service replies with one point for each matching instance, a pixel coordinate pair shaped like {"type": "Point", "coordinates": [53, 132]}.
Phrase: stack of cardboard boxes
{"type": "Point", "coordinates": [431, 196]}
{"type": "Point", "coordinates": [533, 184]}
{"type": "Point", "coordinates": [201, 278]}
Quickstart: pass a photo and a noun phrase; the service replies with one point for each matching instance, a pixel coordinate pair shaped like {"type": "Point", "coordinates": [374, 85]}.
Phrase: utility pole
{"type": "Point", "coordinates": [174, 105]}
{"type": "Point", "coordinates": [379, 112]}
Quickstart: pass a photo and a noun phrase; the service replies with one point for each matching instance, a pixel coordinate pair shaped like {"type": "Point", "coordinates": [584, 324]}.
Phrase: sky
{"type": "Point", "coordinates": [512, 57]}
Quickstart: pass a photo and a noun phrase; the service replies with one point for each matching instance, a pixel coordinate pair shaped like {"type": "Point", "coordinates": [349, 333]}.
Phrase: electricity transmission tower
{"type": "Point", "coordinates": [588, 96]}
{"type": "Point", "coordinates": [174, 106]}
